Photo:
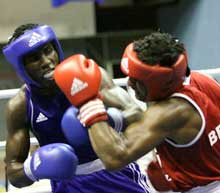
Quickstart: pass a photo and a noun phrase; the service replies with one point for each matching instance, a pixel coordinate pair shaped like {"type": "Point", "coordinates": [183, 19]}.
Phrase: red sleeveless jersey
{"type": "Point", "coordinates": [198, 162]}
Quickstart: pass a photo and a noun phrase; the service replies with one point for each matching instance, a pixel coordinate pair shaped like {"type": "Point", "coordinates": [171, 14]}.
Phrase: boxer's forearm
{"type": "Point", "coordinates": [109, 145]}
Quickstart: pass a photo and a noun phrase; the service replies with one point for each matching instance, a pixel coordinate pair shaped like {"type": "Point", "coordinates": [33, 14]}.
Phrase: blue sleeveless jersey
{"type": "Point", "coordinates": [44, 115]}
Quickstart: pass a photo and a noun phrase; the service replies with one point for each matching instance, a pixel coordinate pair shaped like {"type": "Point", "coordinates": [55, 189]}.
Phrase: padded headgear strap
{"type": "Point", "coordinates": [160, 81]}
{"type": "Point", "coordinates": [30, 41]}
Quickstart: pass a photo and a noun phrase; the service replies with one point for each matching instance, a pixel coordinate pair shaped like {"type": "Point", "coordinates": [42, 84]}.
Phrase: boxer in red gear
{"type": "Point", "coordinates": [182, 120]}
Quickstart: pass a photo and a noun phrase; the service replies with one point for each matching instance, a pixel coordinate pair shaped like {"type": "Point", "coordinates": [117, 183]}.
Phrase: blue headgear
{"type": "Point", "coordinates": [30, 41]}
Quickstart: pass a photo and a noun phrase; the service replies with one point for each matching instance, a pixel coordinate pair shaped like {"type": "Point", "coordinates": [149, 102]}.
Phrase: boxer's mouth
{"type": "Point", "coordinates": [49, 75]}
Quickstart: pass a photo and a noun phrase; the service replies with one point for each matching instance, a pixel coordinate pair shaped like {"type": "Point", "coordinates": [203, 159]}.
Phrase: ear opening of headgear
{"type": "Point", "coordinates": [28, 42]}
{"type": "Point", "coordinates": [160, 81]}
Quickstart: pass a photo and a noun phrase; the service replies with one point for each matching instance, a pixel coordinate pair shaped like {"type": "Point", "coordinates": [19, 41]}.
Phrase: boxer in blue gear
{"type": "Point", "coordinates": [34, 52]}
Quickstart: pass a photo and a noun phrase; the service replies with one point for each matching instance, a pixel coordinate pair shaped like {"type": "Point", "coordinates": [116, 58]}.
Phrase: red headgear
{"type": "Point", "coordinates": [79, 78]}
{"type": "Point", "coordinates": [160, 81]}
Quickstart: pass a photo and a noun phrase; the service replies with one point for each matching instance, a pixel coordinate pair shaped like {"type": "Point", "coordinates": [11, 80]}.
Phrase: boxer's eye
{"type": "Point", "coordinates": [48, 49]}
{"type": "Point", "coordinates": [33, 57]}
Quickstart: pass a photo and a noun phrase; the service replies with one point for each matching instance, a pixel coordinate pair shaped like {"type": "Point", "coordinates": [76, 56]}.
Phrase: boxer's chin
{"type": "Point", "coordinates": [48, 83]}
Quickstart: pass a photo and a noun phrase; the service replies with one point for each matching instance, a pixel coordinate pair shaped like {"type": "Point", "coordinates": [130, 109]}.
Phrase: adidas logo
{"type": "Point", "coordinates": [35, 38]}
{"type": "Point", "coordinates": [77, 86]}
{"type": "Point", "coordinates": [41, 117]}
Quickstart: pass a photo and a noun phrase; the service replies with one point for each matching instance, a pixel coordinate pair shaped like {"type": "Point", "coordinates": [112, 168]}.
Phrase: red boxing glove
{"type": "Point", "coordinates": [79, 78]}
{"type": "Point", "coordinates": [91, 112]}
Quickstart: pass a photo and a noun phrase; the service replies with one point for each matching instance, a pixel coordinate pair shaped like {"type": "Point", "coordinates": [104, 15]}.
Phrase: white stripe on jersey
{"type": "Point", "coordinates": [140, 179]}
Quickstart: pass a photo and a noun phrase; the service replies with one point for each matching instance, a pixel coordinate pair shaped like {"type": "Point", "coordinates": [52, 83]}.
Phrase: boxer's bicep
{"type": "Point", "coordinates": [161, 121]}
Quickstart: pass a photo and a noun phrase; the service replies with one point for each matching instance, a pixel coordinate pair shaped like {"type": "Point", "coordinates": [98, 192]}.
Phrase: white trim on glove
{"type": "Point", "coordinates": [27, 169]}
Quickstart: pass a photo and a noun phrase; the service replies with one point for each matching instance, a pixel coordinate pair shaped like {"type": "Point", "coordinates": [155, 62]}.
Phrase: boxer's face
{"type": "Point", "coordinates": [139, 88]}
{"type": "Point", "coordinates": [40, 64]}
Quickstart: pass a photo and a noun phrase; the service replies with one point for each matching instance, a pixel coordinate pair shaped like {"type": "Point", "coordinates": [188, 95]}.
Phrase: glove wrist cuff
{"type": "Point", "coordinates": [27, 169]}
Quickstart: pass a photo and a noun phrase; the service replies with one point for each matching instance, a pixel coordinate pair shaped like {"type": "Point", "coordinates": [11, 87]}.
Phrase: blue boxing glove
{"type": "Point", "coordinates": [77, 135]}
{"type": "Point", "coordinates": [55, 161]}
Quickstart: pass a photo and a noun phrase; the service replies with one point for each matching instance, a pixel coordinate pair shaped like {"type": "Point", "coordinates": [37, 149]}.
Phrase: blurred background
{"type": "Point", "coordinates": [103, 28]}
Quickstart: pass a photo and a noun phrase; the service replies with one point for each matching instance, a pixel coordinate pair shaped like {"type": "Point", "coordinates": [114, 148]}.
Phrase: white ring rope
{"type": "Point", "coordinates": [8, 93]}
{"type": "Point", "coordinates": [212, 72]}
